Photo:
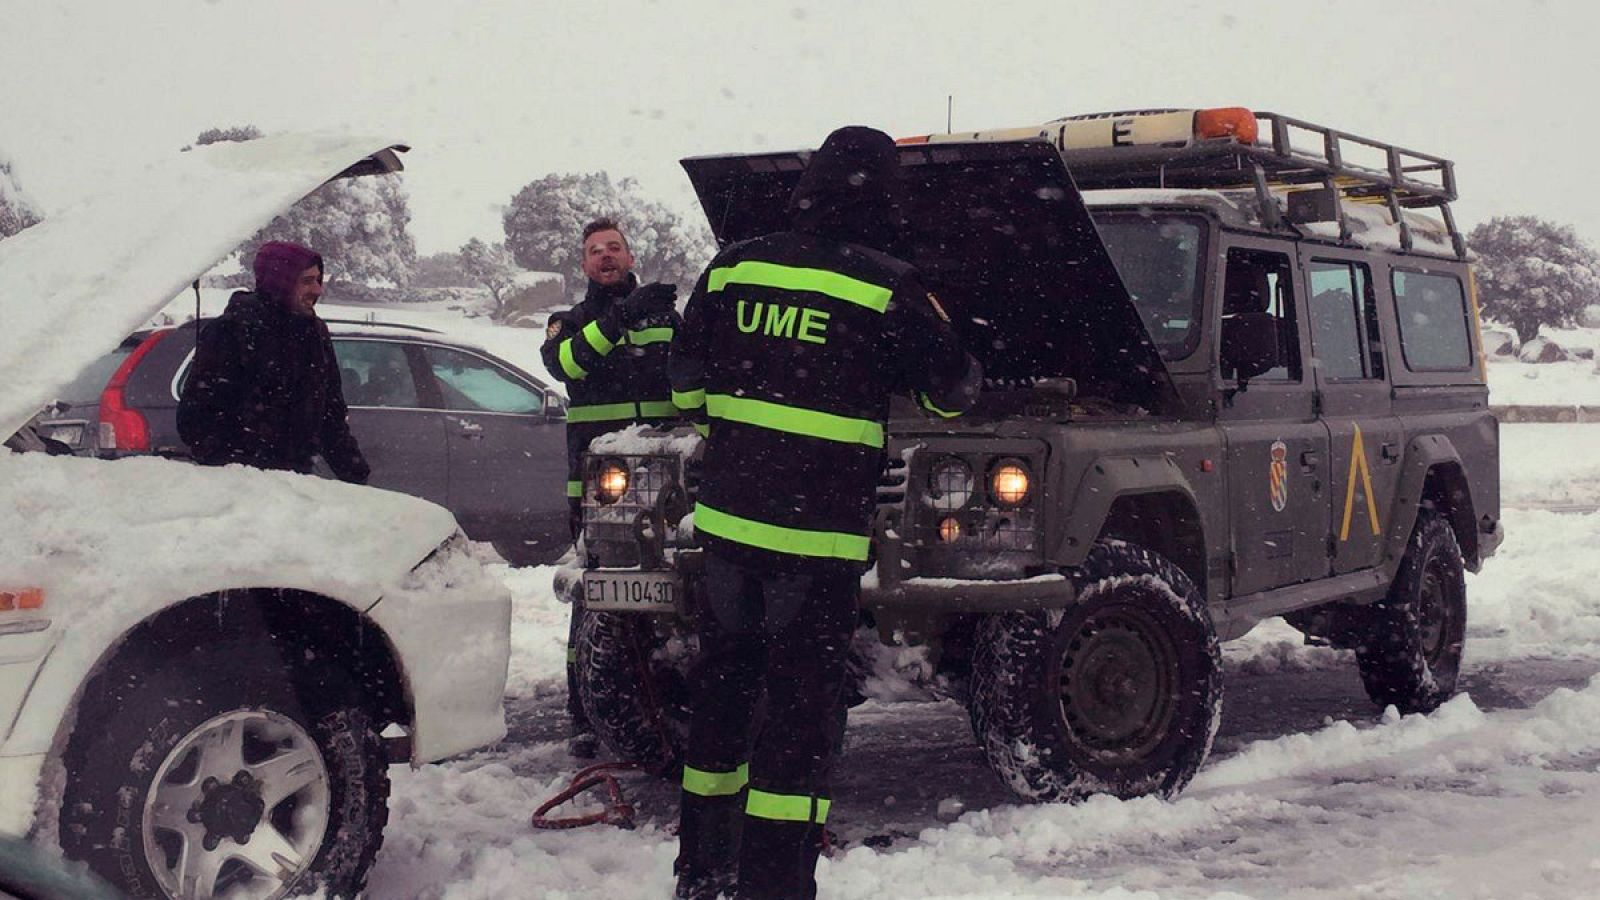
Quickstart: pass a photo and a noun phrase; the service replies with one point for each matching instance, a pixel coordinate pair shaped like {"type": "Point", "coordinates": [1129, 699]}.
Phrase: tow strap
{"type": "Point", "coordinates": [618, 811]}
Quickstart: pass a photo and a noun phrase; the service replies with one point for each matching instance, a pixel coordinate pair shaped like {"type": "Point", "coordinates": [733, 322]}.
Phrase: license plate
{"type": "Point", "coordinates": [631, 591]}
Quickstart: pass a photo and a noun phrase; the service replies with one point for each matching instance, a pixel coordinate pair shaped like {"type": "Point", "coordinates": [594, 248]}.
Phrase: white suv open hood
{"type": "Point", "coordinates": [76, 284]}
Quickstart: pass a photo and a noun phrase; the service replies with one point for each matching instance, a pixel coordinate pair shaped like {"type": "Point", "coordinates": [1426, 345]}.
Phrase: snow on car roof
{"type": "Point", "coordinates": [1371, 225]}
{"type": "Point", "coordinates": [76, 284]}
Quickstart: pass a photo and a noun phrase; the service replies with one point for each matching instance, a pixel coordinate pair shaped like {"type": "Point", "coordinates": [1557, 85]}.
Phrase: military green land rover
{"type": "Point", "coordinates": [1233, 372]}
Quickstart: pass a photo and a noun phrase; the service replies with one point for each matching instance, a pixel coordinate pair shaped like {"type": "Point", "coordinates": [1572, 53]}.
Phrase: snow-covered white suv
{"type": "Point", "coordinates": [204, 673]}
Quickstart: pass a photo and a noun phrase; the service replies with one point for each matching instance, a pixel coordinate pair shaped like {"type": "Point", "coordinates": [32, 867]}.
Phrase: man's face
{"type": "Point", "coordinates": [305, 292]}
{"type": "Point", "coordinates": [606, 258]}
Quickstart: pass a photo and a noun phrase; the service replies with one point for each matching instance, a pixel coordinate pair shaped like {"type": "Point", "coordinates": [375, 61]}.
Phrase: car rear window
{"type": "Point", "coordinates": [86, 388]}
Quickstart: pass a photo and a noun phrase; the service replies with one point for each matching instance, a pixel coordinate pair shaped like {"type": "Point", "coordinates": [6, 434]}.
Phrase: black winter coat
{"type": "Point", "coordinates": [264, 391]}
{"type": "Point", "coordinates": [615, 374]}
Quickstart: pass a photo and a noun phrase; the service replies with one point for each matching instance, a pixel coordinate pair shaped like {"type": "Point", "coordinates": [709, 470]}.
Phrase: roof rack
{"type": "Point", "coordinates": [422, 328]}
{"type": "Point", "coordinates": [1287, 152]}
{"type": "Point", "coordinates": [400, 325]}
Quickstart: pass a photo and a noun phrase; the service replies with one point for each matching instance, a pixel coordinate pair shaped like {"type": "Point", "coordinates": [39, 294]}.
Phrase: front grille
{"type": "Point", "coordinates": [964, 529]}
{"type": "Point", "coordinates": [639, 525]}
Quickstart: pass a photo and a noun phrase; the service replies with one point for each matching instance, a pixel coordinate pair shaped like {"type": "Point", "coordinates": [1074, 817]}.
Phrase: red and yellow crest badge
{"type": "Point", "coordinates": [1278, 476]}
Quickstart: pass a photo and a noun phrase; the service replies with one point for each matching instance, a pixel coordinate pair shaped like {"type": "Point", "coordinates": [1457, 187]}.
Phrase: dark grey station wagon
{"type": "Point", "coordinates": [436, 419]}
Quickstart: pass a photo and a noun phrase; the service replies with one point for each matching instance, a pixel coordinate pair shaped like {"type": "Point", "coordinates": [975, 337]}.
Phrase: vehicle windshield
{"type": "Point", "coordinates": [1158, 257]}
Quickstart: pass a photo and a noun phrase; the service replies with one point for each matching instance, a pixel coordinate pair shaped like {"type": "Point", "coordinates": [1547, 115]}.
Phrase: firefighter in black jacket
{"type": "Point", "coordinates": [611, 353]}
{"type": "Point", "coordinates": [790, 349]}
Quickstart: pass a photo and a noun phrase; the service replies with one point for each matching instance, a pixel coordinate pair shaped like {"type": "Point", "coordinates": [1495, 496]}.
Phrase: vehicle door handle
{"type": "Point", "coordinates": [1309, 460]}
{"type": "Point", "coordinates": [1390, 452]}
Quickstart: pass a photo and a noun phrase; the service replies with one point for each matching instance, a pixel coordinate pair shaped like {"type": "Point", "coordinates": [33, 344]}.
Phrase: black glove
{"type": "Point", "coordinates": [646, 301]}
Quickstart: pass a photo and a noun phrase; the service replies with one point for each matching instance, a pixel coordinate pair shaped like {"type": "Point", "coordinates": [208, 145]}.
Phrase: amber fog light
{"type": "Point", "coordinates": [1009, 483]}
{"type": "Point", "coordinates": [949, 531]}
{"type": "Point", "coordinates": [612, 482]}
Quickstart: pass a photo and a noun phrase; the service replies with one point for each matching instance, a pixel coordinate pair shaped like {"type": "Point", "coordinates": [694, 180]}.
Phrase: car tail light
{"type": "Point", "coordinates": [121, 426]}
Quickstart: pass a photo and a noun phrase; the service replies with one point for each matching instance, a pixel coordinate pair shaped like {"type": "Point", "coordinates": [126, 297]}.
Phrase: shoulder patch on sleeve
{"type": "Point", "coordinates": [552, 329]}
{"type": "Point", "coordinates": [937, 308]}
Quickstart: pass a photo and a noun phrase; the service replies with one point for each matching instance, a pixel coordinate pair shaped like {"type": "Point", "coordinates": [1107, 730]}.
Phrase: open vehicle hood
{"type": "Point", "coordinates": [74, 285]}
{"type": "Point", "coordinates": [1000, 234]}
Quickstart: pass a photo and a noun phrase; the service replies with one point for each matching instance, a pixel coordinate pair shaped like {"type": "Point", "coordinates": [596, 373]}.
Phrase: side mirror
{"type": "Point", "coordinates": [1250, 345]}
{"type": "Point", "coordinates": [555, 405]}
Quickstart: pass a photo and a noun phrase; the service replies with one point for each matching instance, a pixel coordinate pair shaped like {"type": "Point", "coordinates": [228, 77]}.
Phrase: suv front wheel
{"type": "Point", "coordinates": [1120, 693]}
{"type": "Point", "coordinates": [225, 772]}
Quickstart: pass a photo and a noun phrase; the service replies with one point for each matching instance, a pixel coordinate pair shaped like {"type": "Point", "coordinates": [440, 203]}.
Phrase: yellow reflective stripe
{"type": "Point", "coordinates": [927, 404]}
{"type": "Point", "coordinates": [715, 784]}
{"type": "Point", "coordinates": [569, 364]}
{"type": "Point", "coordinates": [795, 278]}
{"type": "Point", "coordinates": [786, 807]}
{"type": "Point", "coordinates": [597, 338]}
{"type": "Point", "coordinates": [795, 420]}
{"type": "Point", "coordinates": [602, 412]}
{"type": "Point", "coordinates": [779, 539]}
{"type": "Point", "coordinates": [574, 489]}
{"type": "Point", "coordinates": [689, 399]}
{"type": "Point", "coordinates": [657, 409]}
{"type": "Point", "coordinates": [703, 428]}
{"type": "Point", "coordinates": [646, 336]}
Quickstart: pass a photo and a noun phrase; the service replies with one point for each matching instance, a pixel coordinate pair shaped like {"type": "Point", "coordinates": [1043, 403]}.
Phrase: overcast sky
{"type": "Point", "coordinates": [495, 94]}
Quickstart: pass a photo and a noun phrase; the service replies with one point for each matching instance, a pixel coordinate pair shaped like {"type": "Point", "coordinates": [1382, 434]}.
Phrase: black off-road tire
{"type": "Point", "coordinates": [1120, 693]}
{"type": "Point", "coordinates": [133, 717]}
{"type": "Point", "coordinates": [634, 688]}
{"type": "Point", "coordinates": [1409, 652]}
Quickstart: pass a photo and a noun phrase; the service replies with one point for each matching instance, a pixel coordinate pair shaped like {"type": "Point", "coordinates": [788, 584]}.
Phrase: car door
{"type": "Point", "coordinates": [1277, 448]}
{"type": "Point", "coordinates": [508, 459]}
{"type": "Point", "coordinates": [1366, 438]}
{"type": "Point", "coordinates": [400, 433]}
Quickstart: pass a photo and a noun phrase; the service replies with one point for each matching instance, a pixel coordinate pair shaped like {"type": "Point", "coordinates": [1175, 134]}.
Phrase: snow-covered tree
{"type": "Point", "coordinates": [232, 133]}
{"type": "Point", "coordinates": [16, 210]}
{"type": "Point", "coordinates": [440, 270]}
{"type": "Point", "coordinates": [359, 225]}
{"type": "Point", "coordinates": [1533, 272]}
{"type": "Point", "coordinates": [545, 220]}
{"type": "Point", "coordinates": [491, 266]}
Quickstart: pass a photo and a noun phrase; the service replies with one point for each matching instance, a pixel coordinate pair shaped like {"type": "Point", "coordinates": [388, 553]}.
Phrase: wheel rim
{"type": "Point", "coordinates": [1119, 676]}
{"type": "Point", "coordinates": [239, 808]}
{"type": "Point", "coordinates": [1436, 613]}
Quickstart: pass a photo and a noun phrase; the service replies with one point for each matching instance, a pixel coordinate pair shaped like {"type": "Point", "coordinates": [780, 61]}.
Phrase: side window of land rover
{"type": "Point", "coordinates": [1344, 340]}
{"type": "Point", "coordinates": [1432, 310]}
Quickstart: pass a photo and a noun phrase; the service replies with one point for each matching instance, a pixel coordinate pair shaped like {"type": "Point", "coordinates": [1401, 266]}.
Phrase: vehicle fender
{"type": "Point", "coordinates": [79, 652]}
{"type": "Point", "coordinates": [1430, 453]}
{"type": "Point", "coordinates": [1104, 482]}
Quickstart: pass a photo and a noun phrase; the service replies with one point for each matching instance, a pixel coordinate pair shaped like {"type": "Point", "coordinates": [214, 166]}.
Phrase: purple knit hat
{"type": "Point", "coordinates": [279, 263]}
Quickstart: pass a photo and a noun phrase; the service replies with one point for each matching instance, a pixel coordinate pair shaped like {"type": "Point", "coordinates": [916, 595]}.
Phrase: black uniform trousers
{"type": "Point", "coordinates": [756, 793]}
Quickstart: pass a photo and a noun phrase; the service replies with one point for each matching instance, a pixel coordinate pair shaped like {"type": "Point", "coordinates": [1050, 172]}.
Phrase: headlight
{"type": "Point", "coordinates": [612, 481]}
{"type": "Point", "coordinates": [950, 484]}
{"type": "Point", "coordinates": [1009, 483]}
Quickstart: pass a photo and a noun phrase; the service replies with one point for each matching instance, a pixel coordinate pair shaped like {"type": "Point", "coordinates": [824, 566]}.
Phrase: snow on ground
{"type": "Point", "coordinates": [1569, 383]}
{"type": "Point", "coordinates": [1311, 792]}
